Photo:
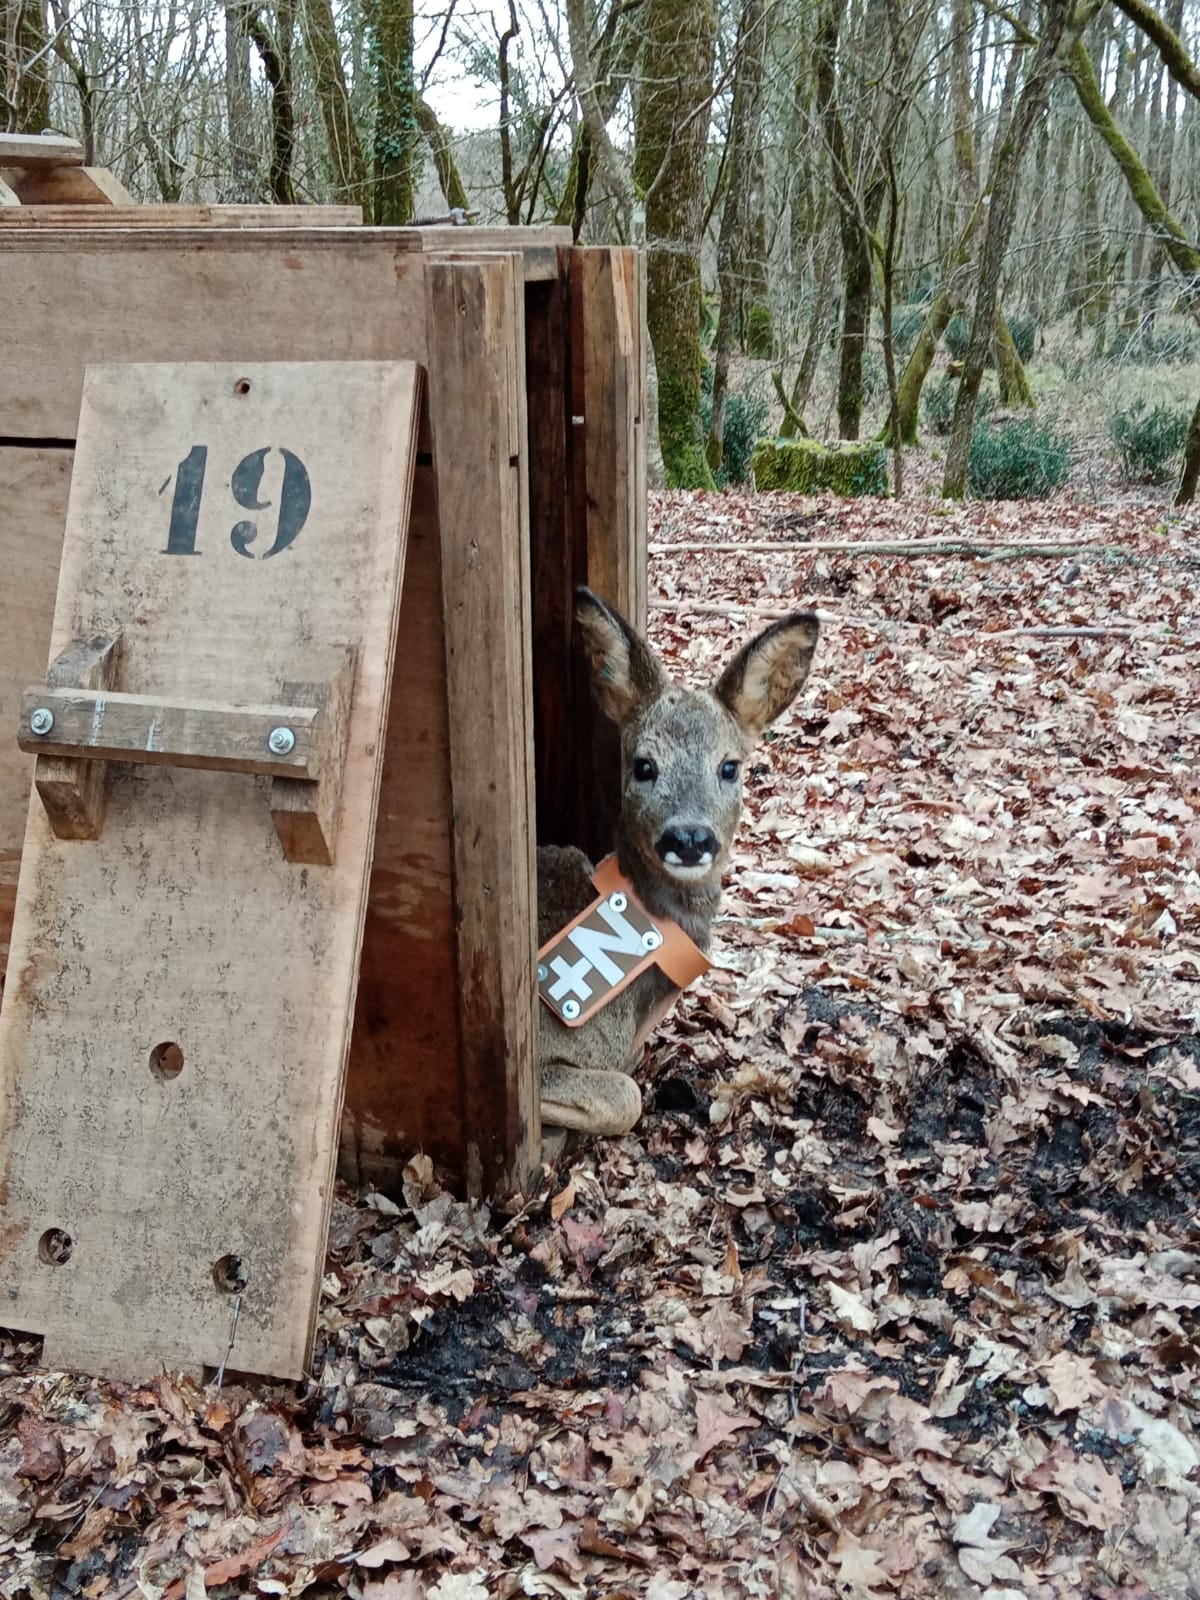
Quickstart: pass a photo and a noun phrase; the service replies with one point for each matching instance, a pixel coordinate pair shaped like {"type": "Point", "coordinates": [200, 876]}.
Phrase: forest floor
{"type": "Point", "coordinates": [895, 1291]}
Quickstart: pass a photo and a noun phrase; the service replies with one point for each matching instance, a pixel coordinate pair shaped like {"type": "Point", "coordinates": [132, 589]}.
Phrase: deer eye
{"type": "Point", "coordinates": [644, 769]}
{"type": "Point", "coordinates": [728, 771]}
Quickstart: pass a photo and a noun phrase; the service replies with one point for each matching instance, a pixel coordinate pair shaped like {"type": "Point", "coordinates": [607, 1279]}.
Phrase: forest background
{"type": "Point", "coordinates": [864, 217]}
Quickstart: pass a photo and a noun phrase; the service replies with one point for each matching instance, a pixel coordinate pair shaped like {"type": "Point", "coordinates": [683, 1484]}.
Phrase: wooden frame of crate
{"type": "Point", "coordinates": [530, 478]}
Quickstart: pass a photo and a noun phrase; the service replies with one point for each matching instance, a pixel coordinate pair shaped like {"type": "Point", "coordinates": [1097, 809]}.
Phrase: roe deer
{"type": "Point", "coordinates": [681, 797]}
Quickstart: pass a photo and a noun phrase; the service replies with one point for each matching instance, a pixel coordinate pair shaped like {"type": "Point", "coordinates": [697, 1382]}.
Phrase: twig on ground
{"type": "Point", "coordinates": [991, 549]}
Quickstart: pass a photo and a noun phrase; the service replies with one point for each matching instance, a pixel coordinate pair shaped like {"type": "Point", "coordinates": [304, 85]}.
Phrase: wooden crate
{"type": "Point", "coordinates": [529, 479]}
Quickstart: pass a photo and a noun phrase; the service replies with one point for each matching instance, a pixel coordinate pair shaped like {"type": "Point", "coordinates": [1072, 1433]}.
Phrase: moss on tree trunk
{"type": "Point", "coordinates": [670, 147]}
{"type": "Point", "coordinates": [341, 132]}
{"type": "Point", "coordinates": [395, 112]}
{"type": "Point", "coordinates": [26, 75]}
{"type": "Point", "coordinates": [1015, 388]}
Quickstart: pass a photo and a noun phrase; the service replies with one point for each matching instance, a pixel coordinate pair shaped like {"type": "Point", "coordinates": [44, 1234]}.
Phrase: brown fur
{"type": "Point", "coordinates": [688, 736]}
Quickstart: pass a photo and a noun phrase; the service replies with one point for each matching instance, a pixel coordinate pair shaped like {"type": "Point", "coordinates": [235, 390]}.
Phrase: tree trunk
{"type": "Point", "coordinates": [395, 114]}
{"type": "Point", "coordinates": [26, 65]}
{"type": "Point", "coordinates": [452, 186]}
{"type": "Point", "coordinates": [1190, 476]}
{"type": "Point", "coordinates": [276, 57]}
{"type": "Point", "coordinates": [745, 129]}
{"type": "Point", "coordinates": [1184, 255]}
{"type": "Point", "coordinates": [341, 133]}
{"type": "Point", "coordinates": [1003, 175]}
{"type": "Point", "coordinates": [239, 106]}
{"type": "Point", "coordinates": [671, 139]}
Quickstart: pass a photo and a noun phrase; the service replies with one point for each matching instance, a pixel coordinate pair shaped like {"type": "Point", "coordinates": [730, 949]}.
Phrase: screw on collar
{"type": "Point", "coordinates": [41, 720]}
{"type": "Point", "coordinates": [570, 1009]}
{"type": "Point", "coordinates": [281, 742]}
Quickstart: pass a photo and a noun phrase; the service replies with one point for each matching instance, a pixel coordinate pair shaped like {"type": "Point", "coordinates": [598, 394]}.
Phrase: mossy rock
{"type": "Point", "coordinates": [805, 466]}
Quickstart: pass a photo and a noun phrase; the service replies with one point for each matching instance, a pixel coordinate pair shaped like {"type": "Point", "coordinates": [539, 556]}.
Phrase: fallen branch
{"type": "Point", "coordinates": [990, 549]}
{"type": "Point", "coordinates": [713, 608]}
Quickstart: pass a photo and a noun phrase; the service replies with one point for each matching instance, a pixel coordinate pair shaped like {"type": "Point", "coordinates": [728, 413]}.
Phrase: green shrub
{"type": "Point", "coordinates": [907, 322]}
{"type": "Point", "coordinates": [937, 404]}
{"type": "Point", "coordinates": [1025, 460]}
{"type": "Point", "coordinates": [745, 418]}
{"type": "Point", "coordinates": [1170, 347]}
{"type": "Point", "coordinates": [938, 400]}
{"type": "Point", "coordinates": [1149, 441]}
{"type": "Point", "coordinates": [1024, 336]}
{"type": "Point", "coordinates": [957, 337]}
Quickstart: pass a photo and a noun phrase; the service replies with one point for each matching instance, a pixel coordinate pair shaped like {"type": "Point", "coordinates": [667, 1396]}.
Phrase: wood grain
{"type": "Point", "coordinates": [40, 150]}
{"type": "Point", "coordinates": [34, 485]}
{"type": "Point", "coordinates": [476, 370]}
{"type": "Point", "coordinates": [73, 791]}
{"type": "Point", "coordinates": [183, 923]}
{"type": "Point", "coordinates": [65, 187]}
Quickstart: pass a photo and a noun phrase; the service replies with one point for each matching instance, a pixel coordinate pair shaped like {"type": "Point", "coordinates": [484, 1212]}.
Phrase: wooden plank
{"type": "Point", "coordinates": [476, 370]}
{"type": "Point", "coordinates": [40, 149]}
{"type": "Point", "coordinates": [305, 814]}
{"type": "Point", "coordinates": [63, 210]}
{"type": "Point", "coordinates": [73, 792]}
{"type": "Point", "coordinates": [67, 187]}
{"type": "Point", "coordinates": [175, 731]}
{"type": "Point", "coordinates": [408, 992]}
{"type": "Point", "coordinates": [182, 925]}
{"type": "Point", "coordinates": [280, 298]}
{"type": "Point", "coordinates": [33, 511]}
{"type": "Point", "coordinates": [552, 555]}
{"type": "Point", "coordinates": [608, 465]}
{"type": "Point", "coordinates": [8, 195]}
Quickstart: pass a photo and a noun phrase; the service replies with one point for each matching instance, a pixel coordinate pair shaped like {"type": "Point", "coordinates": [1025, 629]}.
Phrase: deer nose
{"type": "Point", "coordinates": [688, 847]}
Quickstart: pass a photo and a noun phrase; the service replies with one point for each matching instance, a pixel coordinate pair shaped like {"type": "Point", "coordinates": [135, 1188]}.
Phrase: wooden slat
{"type": "Point", "coordinates": [8, 195]}
{"type": "Point", "coordinates": [609, 499]}
{"type": "Point", "coordinates": [476, 370]}
{"type": "Point", "coordinates": [306, 814]}
{"type": "Point", "coordinates": [552, 555]}
{"type": "Point", "coordinates": [183, 924]}
{"type": "Point", "coordinates": [72, 791]}
{"type": "Point", "coordinates": [33, 511]}
{"type": "Point", "coordinates": [228, 296]}
{"type": "Point", "coordinates": [169, 731]}
{"type": "Point", "coordinates": [40, 149]}
{"type": "Point", "coordinates": [66, 187]}
{"type": "Point", "coordinates": [408, 992]}
{"type": "Point", "coordinates": [65, 213]}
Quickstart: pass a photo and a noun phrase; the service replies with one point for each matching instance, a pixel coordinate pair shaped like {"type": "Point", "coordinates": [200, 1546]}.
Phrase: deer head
{"type": "Point", "coordinates": [683, 751]}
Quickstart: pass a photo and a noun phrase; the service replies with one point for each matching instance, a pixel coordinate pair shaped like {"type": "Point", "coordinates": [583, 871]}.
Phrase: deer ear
{"type": "Point", "coordinates": [625, 672]}
{"type": "Point", "coordinates": [767, 674]}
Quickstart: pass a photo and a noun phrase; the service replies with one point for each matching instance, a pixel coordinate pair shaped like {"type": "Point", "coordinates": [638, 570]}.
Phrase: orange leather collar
{"type": "Point", "coordinates": [607, 946]}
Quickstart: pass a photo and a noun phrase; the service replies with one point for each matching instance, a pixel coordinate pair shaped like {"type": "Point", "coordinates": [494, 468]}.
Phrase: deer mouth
{"type": "Point", "coordinates": [688, 852]}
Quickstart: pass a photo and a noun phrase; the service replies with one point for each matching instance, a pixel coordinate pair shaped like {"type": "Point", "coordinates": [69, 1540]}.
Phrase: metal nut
{"type": "Point", "coordinates": [41, 720]}
{"type": "Point", "coordinates": [570, 1009]}
{"type": "Point", "coordinates": [651, 939]}
{"type": "Point", "coordinates": [617, 901]}
{"type": "Point", "coordinates": [282, 741]}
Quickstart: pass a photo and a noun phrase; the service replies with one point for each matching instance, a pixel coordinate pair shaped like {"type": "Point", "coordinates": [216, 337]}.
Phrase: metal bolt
{"type": "Point", "coordinates": [282, 741]}
{"type": "Point", "coordinates": [618, 902]}
{"type": "Point", "coordinates": [41, 720]}
{"type": "Point", "coordinates": [570, 1009]}
{"type": "Point", "coordinates": [543, 973]}
{"type": "Point", "coordinates": [651, 939]}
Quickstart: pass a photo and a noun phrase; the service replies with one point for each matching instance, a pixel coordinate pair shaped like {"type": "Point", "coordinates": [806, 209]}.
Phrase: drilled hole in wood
{"type": "Point", "coordinates": [54, 1247]}
{"type": "Point", "coordinates": [166, 1061]}
{"type": "Point", "coordinates": [242, 386]}
{"type": "Point", "coordinates": [229, 1275]}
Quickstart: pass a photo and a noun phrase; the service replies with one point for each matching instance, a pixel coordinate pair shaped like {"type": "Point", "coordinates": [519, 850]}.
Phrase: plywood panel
{"type": "Point", "coordinates": [33, 513]}
{"type": "Point", "coordinates": [52, 200]}
{"type": "Point", "coordinates": [183, 926]}
{"type": "Point", "coordinates": [404, 1089]}
{"type": "Point", "coordinates": [154, 297]}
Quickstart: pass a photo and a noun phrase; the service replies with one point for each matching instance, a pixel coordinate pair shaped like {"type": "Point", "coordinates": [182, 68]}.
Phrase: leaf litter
{"type": "Point", "coordinates": [895, 1291]}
